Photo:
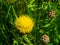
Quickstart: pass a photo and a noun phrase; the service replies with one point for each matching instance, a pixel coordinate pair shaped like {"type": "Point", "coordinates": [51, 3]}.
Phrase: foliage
{"type": "Point", "coordinates": [38, 10]}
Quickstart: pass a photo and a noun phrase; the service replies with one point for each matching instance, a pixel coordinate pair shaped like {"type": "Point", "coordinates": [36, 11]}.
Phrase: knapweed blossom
{"type": "Point", "coordinates": [45, 39]}
{"type": "Point", "coordinates": [24, 24]}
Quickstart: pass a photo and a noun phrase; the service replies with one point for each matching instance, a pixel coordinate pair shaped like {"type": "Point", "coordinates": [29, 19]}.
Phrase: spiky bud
{"type": "Point", "coordinates": [45, 39]}
{"type": "Point", "coordinates": [51, 13]}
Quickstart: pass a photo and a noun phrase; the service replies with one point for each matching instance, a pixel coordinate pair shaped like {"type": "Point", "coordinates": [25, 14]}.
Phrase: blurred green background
{"type": "Point", "coordinates": [38, 10]}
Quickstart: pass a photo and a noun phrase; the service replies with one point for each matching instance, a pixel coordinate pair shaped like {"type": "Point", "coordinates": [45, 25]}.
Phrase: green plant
{"type": "Point", "coordinates": [38, 10]}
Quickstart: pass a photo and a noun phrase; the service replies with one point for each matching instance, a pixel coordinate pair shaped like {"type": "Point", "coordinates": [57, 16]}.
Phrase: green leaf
{"type": "Point", "coordinates": [31, 1]}
{"type": "Point", "coordinates": [26, 39]}
{"type": "Point", "coordinates": [15, 42]}
{"type": "Point", "coordinates": [56, 40]}
{"type": "Point", "coordinates": [47, 25]}
{"type": "Point", "coordinates": [41, 31]}
{"type": "Point", "coordinates": [50, 44]}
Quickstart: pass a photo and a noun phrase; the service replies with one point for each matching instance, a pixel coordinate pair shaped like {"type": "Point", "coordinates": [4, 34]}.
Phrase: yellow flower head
{"type": "Point", "coordinates": [24, 24]}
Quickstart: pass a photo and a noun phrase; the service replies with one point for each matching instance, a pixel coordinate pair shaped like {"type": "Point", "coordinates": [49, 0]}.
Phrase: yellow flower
{"type": "Point", "coordinates": [24, 24]}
